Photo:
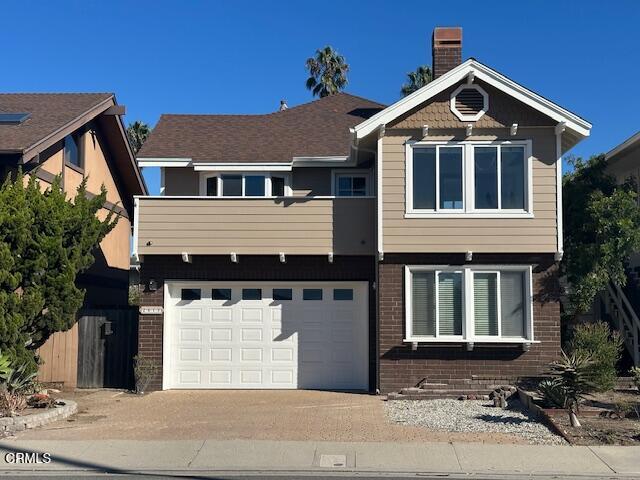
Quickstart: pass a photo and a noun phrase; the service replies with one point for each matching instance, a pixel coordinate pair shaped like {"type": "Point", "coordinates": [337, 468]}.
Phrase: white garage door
{"type": "Point", "coordinates": [266, 335]}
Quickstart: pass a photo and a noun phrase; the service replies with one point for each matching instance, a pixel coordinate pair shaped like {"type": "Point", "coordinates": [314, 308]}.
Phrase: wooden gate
{"type": "Point", "coordinates": [107, 343]}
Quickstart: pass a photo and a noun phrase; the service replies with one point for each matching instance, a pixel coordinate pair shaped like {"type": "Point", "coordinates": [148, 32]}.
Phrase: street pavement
{"type": "Point", "coordinates": [292, 459]}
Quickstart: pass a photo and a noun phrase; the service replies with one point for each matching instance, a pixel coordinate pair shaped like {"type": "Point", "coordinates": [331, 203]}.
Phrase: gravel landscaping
{"type": "Point", "coordinates": [471, 416]}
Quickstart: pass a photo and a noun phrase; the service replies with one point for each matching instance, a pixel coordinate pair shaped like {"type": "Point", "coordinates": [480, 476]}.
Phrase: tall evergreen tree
{"type": "Point", "coordinates": [45, 241]}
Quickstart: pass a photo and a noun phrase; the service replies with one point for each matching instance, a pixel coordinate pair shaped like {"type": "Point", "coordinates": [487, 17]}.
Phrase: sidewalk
{"type": "Point", "coordinates": [275, 456]}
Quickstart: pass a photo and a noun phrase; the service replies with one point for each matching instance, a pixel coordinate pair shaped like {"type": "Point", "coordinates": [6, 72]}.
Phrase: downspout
{"type": "Point", "coordinates": [559, 130]}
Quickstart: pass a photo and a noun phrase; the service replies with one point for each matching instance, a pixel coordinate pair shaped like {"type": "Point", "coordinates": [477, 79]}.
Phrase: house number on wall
{"type": "Point", "coordinates": [151, 310]}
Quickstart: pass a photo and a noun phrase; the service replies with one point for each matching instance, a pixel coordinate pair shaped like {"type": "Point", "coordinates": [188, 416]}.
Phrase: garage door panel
{"type": "Point", "coordinates": [190, 335]}
{"type": "Point", "coordinates": [190, 354]}
{"type": "Point", "coordinates": [220, 355]}
{"type": "Point", "coordinates": [264, 343]}
{"type": "Point", "coordinates": [221, 314]}
{"type": "Point", "coordinates": [220, 334]}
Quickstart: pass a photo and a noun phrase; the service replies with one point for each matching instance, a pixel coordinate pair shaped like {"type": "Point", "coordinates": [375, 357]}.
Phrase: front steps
{"type": "Point", "coordinates": [477, 387]}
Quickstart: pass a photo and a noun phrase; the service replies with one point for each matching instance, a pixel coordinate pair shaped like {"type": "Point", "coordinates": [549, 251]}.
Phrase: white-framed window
{"type": "Point", "coordinates": [351, 183]}
{"type": "Point", "coordinates": [472, 304]}
{"type": "Point", "coordinates": [470, 178]}
{"type": "Point", "coordinates": [249, 184]}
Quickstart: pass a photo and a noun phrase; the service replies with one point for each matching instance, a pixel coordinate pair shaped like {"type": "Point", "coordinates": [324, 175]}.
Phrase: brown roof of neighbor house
{"type": "Point", "coordinates": [315, 129]}
{"type": "Point", "coordinates": [52, 116]}
{"type": "Point", "coordinates": [50, 112]}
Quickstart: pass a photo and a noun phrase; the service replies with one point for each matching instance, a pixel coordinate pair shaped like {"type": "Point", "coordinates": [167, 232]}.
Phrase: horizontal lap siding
{"type": "Point", "coordinates": [246, 226]}
{"type": "Point", "coordinates": [405, 235]}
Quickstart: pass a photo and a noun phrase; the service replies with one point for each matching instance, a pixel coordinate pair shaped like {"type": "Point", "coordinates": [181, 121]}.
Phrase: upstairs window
{"type": "Point", "coordinates": [72, 150]}
{"type": "Point", "coordinates": [351, 184]}
{"type": "Point", "coordinates": [468, 178]}
{"type": "Point", "coordinates": [244, 185]}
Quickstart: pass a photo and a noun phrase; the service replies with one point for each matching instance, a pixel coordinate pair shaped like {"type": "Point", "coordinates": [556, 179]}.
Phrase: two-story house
{"type": "Point", "coordinates": [81, 136]}
{"type": "Point", "coordinates": [342, 244]}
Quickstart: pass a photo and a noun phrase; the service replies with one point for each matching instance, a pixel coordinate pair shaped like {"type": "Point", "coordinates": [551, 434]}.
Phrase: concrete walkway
{"type": "Point", "coordinates": [289, 456]}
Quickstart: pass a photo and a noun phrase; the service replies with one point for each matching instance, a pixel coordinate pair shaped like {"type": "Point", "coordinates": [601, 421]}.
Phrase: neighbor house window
{"type": "Point", "coordinates": [468, 178]}
{"type": "Point", "coordinates": [277, 186]}
{"type": "Point", "coordinates": [212, 186]}
{"type": "Point", "coordinates": [73, 150]}
{"type": "Point", "coordinates": [472, 304]}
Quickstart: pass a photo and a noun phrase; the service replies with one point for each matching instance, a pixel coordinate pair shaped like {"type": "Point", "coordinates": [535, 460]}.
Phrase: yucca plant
{"type": "Point", "coordinates": [572, 373]}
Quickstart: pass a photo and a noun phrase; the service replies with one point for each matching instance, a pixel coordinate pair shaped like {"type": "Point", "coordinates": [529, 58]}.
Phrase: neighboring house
{"type": "Point", "coordinates": [624, 304]}
{"type": "Point", "coordinates": [76, 136]}
{"type": "Point", "coordinates": [342, 244]}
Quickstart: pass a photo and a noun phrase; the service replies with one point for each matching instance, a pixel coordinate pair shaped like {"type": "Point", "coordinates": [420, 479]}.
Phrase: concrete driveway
{"type": "Point", "coordinates": [235, 415]}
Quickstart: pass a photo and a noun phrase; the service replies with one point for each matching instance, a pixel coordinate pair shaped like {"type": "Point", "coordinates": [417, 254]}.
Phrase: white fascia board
{"type": "Point", "coordinates": [329, 161]}
{"type": "Point", "coordinates": [486, 74]}
{"type": "Point", "coordinates": [241, 167]}
{"type": "Point", "coordinates": [164, 162]}
{"type": "Point", "coordinates": [629, 142]}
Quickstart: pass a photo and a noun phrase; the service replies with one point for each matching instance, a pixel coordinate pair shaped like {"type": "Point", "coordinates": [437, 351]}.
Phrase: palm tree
{"type": "Point", "coordinates": [137, 132]}
{"type": "Point", "coordinates": [417, 80]}
{"type": "Point", "coordinates": [327, 72]}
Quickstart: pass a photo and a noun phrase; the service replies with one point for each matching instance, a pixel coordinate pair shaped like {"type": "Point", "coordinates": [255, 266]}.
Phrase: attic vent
{"type": "Point", "coordinates": [469, 102]}
{"type": "Point", "coordinates": [13, 118]}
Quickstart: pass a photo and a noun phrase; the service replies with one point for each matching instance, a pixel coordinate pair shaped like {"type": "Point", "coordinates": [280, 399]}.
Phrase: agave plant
{"type": "Point", "coordinates": [572, 382]}
{"type": "Point", "coordinates": [20, 380]}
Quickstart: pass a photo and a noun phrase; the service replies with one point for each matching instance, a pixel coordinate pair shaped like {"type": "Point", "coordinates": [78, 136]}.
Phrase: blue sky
{"type": "Point", "coordinates": [243, 57]}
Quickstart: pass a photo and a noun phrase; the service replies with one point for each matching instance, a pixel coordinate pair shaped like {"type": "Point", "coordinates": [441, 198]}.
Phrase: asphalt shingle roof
{"type": "Point", "coordinates": [49, 112]}
{"type": "Point", "coordinates": [319, 128]}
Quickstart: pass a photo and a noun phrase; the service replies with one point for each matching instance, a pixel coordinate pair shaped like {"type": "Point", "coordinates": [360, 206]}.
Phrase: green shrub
{"type": "Point", "coordinates": [635, 373]}
{"type": "Point", "coordinates": [596, 341]}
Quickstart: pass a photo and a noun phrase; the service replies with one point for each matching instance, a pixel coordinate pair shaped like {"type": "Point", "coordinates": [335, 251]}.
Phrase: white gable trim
{"type": "Point", "coordinates": [480, 72]}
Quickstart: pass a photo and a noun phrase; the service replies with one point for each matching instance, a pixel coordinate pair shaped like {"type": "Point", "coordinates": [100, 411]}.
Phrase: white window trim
{"type": "Point", "coordinates": [267, 188]}
{"type": "Point", "coordinates": [476, 116]}
{"type": "Point", "coordinates": [335, 173]}
{"type": "Point", "coordinates": [468, 330]}
{"type": "Point", "coordinates": [468, 184]}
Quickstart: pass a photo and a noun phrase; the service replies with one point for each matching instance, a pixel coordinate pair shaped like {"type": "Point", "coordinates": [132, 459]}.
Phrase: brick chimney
{"type": "Point", "coordinates": [446, 45]}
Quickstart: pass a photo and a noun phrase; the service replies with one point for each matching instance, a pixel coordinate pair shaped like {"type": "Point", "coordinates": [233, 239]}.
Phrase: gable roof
{"type": "Point", "coordinates": [316, 129]}
{"type": "Point", "coordinates": [573, 122]}
{"type": "Point", "coordinates": [55, 115]}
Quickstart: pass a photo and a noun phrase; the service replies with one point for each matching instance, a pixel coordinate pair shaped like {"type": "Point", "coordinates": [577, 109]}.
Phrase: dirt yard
{"type": "Point", "coordinates": [610, 418]}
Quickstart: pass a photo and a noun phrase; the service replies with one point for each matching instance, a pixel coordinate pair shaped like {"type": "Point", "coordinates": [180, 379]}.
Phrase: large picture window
{"type": "Point", "coordinates": [468, 178]}
{"type": "Point", "coordinates": [472, 304]}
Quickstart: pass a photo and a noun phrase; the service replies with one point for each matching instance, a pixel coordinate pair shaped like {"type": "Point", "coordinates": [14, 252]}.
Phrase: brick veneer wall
{"type": "Point", "coordinates": [401, 367]}
{"type": "Point", "coordinates": [250, 268]}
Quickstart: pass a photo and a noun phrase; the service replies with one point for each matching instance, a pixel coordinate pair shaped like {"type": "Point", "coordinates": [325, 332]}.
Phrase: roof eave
{"type": "Point", "coordinates": [621, 148]}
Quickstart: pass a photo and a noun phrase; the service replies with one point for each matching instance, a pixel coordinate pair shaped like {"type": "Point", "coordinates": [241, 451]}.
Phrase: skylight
{"type": "Point", "coordinates": [13, 118]}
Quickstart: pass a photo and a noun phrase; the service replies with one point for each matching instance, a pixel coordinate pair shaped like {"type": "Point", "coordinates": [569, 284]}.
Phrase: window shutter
{"type": "Point", "coordinates": [512, 304]}
{"type": "Point", "coordinates": [423, 313]}
{"type": "Point", "coordinates": [450, 303]}
{"type": "Point", "coordinates": [485, 303]}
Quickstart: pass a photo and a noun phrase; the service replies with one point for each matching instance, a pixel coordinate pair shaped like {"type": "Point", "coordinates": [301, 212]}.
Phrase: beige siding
{"type": "Point", "coordinates": [311, 181]}
{"type": "Point", "coordinates": [497, 235]}
{"type": "Point", "coordinates": [256, 226]}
